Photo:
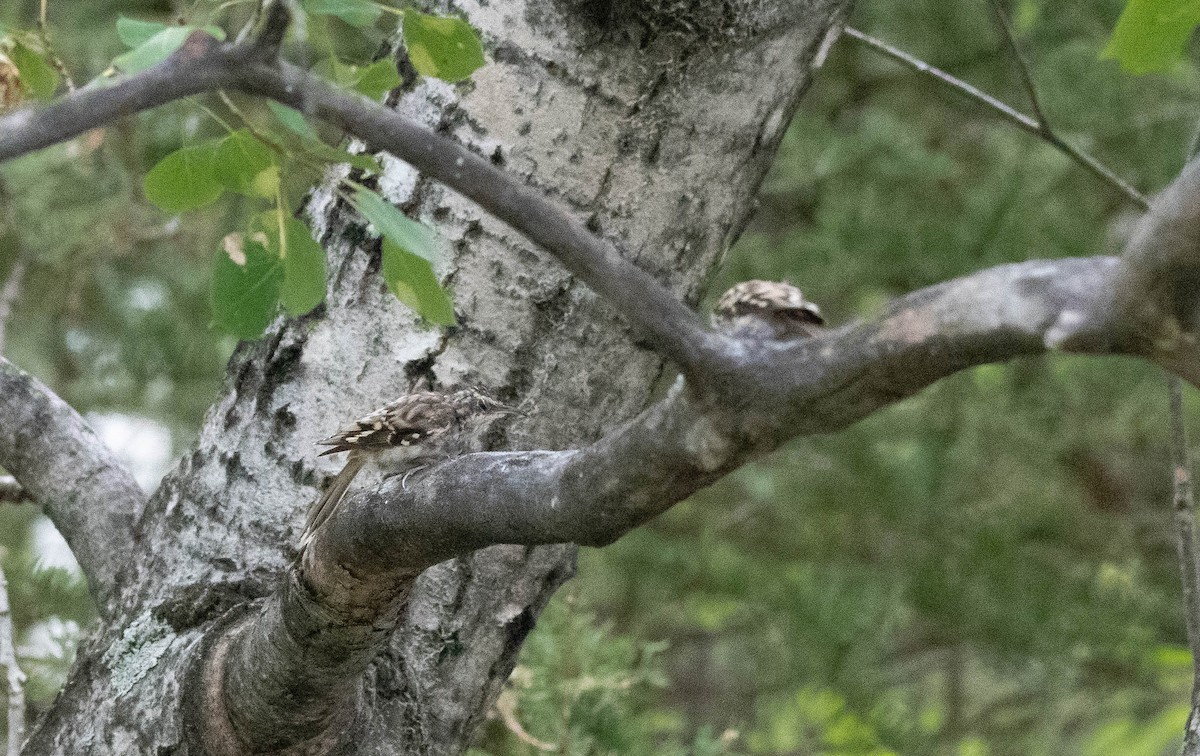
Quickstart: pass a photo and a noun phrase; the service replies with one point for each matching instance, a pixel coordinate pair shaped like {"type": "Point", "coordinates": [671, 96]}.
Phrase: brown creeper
{"type": "Point", "coordinates": [767, 310]}
{"type": "Point", "coordinates": [404, 435]}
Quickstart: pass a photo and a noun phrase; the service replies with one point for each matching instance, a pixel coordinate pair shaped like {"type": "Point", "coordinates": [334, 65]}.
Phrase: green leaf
{"type": "Point", "coordinates": [1151, 34]}
{"type": "Point", "coordinates": [316, 149]}
{"type": "Point", "coordinates": [377, 79]}
{"type": "Point", "coordinates": [353, 12]}
{"type": "Point", "coordinates": [293, 119]}
{"type": "Point", "coordinates": [409, 254]}
{"type": "Point", "coordinates": [153, 51]}
{"type": "Point", "coordinates": [372, 81]}
{"type": "Point", "coordinates": [412, 280]}
{"type": "Point", "coordinates": [440, 46]}
{"type": "Point", "coordinates": [335, 71]}
{"type": "Point", "coordinates": [184, 180]}
{"type": "Point", "coordinates": [38, 77]}
{"type": "Point", "coordinates": [303, 269]}
{"type": "Point", "coordinates": [319, 149]}
{"type": "Point", "coordinates": [134, 32]}
{"type": "Point", "coordinates": [245, 165]}
{"type": "Point", "coordinates": [411, 236]}
{"type": "Point", "coordinates": [245, 286]}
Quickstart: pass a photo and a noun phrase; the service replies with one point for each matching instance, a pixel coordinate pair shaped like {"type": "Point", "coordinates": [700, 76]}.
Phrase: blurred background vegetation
{"type": "Point", "coordinates": [986, 568]}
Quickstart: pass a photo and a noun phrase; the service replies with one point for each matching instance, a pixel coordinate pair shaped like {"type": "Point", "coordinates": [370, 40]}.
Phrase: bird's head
{"type": "Point", "coordinates": [767, 309]}
{"type": "Point", "coordinates": [478, 403]}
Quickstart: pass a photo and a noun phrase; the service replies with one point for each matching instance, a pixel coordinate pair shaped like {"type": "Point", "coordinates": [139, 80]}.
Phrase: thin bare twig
{"type": "Point", "coordinates": [44, 35]}
{"type": "Point", "coordinates": [16, 678]}
{"type": "Point", "coordinates": [1017, 118]}
{"type": "Point", "coordinates": [1022, 64]}
{"type": "Point", "coordinates": [1189, 569]}
{"type": "Point", "coordinates": [506, 707]}
{"type": "Point", "coordinates": [8, 297]}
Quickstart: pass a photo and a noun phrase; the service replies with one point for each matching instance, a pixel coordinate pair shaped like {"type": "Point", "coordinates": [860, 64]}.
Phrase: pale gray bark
{"type": "Point", "coordinates": [60, 461]}
{"type": "Point", "coordinates": [660, 149]}
{"type": "Point", "coordinates": [652, 133]}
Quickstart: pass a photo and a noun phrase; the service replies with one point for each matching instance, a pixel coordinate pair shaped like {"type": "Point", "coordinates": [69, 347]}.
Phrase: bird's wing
{"type": "Point", "coordinates": [409, 420]}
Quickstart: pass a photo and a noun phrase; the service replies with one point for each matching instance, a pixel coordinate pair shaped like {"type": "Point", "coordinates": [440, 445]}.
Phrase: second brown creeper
{"type": "Point", "coordinates": [767, 310]}
{"type": "Point", "coordinates": [404, 435]}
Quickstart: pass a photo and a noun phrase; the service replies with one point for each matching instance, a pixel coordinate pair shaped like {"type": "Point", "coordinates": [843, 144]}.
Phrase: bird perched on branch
{"type": "Point", "coordinates": [403, 436]}
{"type": "Point", "coordinates": [767, 310]}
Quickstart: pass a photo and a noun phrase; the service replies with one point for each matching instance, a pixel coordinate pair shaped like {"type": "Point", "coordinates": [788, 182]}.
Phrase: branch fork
{"type": "Point", "coordinates": [284, 676]}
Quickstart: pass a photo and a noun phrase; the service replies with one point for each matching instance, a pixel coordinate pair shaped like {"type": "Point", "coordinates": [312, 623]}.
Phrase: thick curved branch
{"type": "Point", "coordinates": [61, 463]}
{"type": "Point", "coordinates": [594, 495]}
{"type": "Point", "coordinates": [298, 660]}
{"type": "Point", "coordinates": [201, 65]}
{"type": "Point", "coordinates": [204, 65]}
{"type": "Point", "coordinates": [361, 564]}
{"type": "Point", "coordinates": [356, 572]}
{"type": "Point", "coordinates": [1153, 306]}
{"type": "Point", "coordinates": [672, 328]}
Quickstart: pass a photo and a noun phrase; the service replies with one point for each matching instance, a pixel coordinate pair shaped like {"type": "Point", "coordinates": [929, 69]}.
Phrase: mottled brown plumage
{"type": "Point", "coordinates": [767, 310]}
{"type": "Point", "coordinates": [411, 431]}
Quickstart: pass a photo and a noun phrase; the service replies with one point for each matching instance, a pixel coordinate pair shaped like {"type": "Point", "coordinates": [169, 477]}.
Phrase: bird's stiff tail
{"type": "Point", "coordinates": [320, 510]}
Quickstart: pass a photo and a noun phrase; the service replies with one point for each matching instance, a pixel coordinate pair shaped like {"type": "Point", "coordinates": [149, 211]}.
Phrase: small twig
{"type": "Point", "coordinates": [8, 297]}
{"type": "Point", "coordinates": [16, 678]}
{"type": "Point", "coordinates": [506, 707]}
{"type": "Point", "coordinates": [44, 35]}
{"type": "Point", "coordinates": [1017, 118]}
{"type": "Point", "coordinates": [1022, 64]}
{"type": "Point", "coordinates": [272, 26]}
{"type": "Point", "coordinates": [1189, 569]}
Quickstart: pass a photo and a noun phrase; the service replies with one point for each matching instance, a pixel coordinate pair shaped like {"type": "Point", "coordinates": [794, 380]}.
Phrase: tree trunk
{"type": "Point", "coordinates": [656, 122]}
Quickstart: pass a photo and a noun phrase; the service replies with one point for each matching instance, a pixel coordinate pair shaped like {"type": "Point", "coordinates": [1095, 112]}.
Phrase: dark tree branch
{"type": "Point", "coordinates": [288, 672]}
{"type": "Point", "coordinates": [201, 65]}
{"type": "Point", "coordinates": [360, 566]}
{"type": "Point", "coordinates": [674, 330]}
{"type": "Point", "coordinates": [205, 65]}
{"type": "Point", "coordinates": [594, 495]}
{"type": "Point", "coordinates": [355, 573]}
{"type": "Point", "coordinates": [1153, 307]}
{"type": "Point", "coordinates": [61, 462]}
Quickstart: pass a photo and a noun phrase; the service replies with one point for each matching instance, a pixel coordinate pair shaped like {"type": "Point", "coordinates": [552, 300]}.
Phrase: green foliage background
{"type": "Point", "coordinates": [986, 568]}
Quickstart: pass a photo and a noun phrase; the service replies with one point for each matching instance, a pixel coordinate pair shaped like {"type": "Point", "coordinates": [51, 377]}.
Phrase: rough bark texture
{"type": "Point", "coordinates": [60, 460]}
{"type": "Point", "coordinates": [657, 127]}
